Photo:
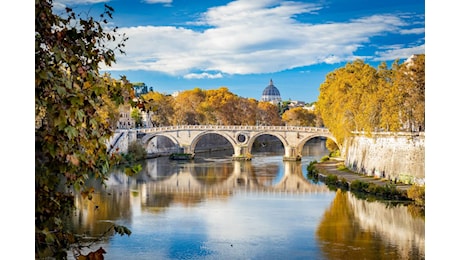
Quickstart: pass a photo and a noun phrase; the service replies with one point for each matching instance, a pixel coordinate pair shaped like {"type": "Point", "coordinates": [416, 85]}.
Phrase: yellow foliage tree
{"type": "Point", "coordinates": [358, 97]}
{"type": "Point", "coordinates": [267, 114]}
{"type": "Point", "coordinates": [344, 99]}
{"type": "Point", "coordinates": [160, 108]}
{"type": "Point", "coordinates": [299, 117]}
{"type": "Point", "coordinates": [187, 107]}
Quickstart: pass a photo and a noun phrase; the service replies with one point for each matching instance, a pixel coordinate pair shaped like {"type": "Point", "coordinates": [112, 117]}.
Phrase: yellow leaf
{"type": "Point", "coordinates": [73, 159]}
{"type": "Point", "coordinates": [86, 85]}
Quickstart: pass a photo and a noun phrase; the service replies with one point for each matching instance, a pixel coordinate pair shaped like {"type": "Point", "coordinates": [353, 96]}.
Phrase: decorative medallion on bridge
{"type": "Point", "coordinates": [241, 138]}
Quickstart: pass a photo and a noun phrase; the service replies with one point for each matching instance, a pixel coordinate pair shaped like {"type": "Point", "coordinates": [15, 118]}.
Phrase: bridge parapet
{"type": "Point", "coordinates": [233, 128]}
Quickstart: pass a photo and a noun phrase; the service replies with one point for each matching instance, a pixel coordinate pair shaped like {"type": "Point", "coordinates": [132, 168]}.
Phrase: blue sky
{"type": "Point", "coordinates": [178, 45]}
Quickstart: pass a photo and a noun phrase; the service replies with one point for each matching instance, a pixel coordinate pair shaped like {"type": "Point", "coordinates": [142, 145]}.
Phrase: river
{"type": "Point", "coordinates": [216, 208]}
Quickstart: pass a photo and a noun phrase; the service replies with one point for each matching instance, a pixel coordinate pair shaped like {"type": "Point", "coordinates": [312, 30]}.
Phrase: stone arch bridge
{"type": "Point", "coordinates": [186, 137]}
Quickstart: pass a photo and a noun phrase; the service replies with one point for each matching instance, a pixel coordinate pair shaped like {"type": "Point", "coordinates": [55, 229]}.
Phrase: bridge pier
{"type": "Point", "coordinates": [292, 154]}
{"type": "Point", "coordinates": [186, 149]}
{"type": "Point", "coordinates": [242, 154]}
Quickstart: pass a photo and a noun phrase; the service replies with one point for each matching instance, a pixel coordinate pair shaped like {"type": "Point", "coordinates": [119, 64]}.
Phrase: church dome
{"type": "Point", "coordinates": [271, 93]}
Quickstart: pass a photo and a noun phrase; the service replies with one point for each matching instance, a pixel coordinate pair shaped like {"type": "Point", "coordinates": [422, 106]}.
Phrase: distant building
{"type": "Point", "coordinates": [125, 121]}
{"type": "Point", "coordinates": [296, 103]}
{"type": "Point", "coordinates": [310, 108]}
{"type": "Point", "coordinates": [271, 94]}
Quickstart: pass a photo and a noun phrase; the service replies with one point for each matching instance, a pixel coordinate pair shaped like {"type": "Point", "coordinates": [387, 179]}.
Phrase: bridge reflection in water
{"type": "Point", "coordinates": [215, 203]}
{"type": "Point", "coordinates": [186, 181]}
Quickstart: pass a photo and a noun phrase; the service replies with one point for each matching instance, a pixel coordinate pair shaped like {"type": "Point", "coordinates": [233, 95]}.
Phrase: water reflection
{"type": "Point", "coordinates": [357, 229]}
{"type": "Point", "coordinates": [192, 183]}
{"type": "Point", "coordinates": [215, 208]}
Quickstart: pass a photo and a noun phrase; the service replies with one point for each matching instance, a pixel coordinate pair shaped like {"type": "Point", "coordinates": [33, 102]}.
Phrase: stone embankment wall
{"type": "Point", "coordinates": [393, 156]}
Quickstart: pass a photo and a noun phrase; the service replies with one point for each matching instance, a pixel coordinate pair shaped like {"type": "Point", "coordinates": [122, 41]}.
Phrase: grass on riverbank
{"type": "Point", "coordinates": [367, 189]}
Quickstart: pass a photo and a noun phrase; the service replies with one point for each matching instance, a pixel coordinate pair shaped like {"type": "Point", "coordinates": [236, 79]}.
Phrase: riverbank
{"type": "Point", "coordinates": [331, 167]}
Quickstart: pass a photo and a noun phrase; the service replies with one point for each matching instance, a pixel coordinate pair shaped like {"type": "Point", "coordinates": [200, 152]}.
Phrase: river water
{"type": "Point", "coordinates": [216, 208]}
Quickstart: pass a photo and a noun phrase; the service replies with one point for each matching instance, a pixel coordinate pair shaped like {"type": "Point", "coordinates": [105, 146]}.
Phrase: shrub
{"type": "Point", "coordinates": [136, 152]}
{"type": "Point", "coordinates": [359, 186]}
{"type": "Point", "coordinates": [331, 180]}
{"type": "Point", "coordinates": [342, 167]}
{"type": "Point", "coordinates": [312, 173]}
{"type": "Point", "coordinates": [311, 167]}
{"type": "Point", "coordinates": [335, 153]}
{"type": "Point", "coordinates": [344, 183]}
{"type": "Point", "coordinates": [417, 194]}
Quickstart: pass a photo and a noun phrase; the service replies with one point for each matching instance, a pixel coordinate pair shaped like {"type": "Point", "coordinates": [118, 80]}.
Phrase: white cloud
{"type": "Point", "coordinates": [203, 75]}
{"type": "Point", "coordinates": [158, 1]}
{"type": "Point", "coordinates": [397, 52]}
{"type": "Point", "coordinates": [413, 31]}
{"type": "Point", "coordinates": [246, 36]}
{"type": "Point", "coordinates": [167, 3]}
{"type": "Point", "coordinates": [61, 4]}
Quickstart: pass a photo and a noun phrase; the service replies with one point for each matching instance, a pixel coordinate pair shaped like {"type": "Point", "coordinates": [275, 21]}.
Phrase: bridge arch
{"type": "Point", "coordinates": [146, 140]}
{"type": "Point", "coordinates": [302, 143]}
{"type": "Point", "coordinates": [253, 138]}
{"type": "Point", "coordinates": [225, 135]}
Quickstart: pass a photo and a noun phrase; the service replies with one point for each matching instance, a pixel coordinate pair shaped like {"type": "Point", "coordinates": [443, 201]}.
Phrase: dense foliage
{"type": "Point", "coordinates": [208, 107]}
{"type": "Point", "coordinates": [359, 97]}
{"type": "Point", "coordinates": [76, 110]}
{"type": "Point", "coordinates": [298, 116]}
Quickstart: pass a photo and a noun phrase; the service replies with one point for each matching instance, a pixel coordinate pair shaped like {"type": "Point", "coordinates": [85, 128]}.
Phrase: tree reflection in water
{"type": "Point", "coordinates": [357, 229]}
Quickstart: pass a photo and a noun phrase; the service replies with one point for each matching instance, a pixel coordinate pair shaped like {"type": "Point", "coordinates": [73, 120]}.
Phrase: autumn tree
{"type": "Point", "coordinates": [410, 81]}
{"type": "Point", "coordinates": [341, 97]}
{"type": "Point", "coordinates": [186, 107]}
{"type": "Point", "coordinates": [299, 116]}
{"type": "Point", "coordinates": [358, 97]}
{"type": "Point", "coordinates": [268, 114]}
{"type": "Point", "coordinates": [159, 107]}
{"type": "Point", "coordinates": [222, 107]}
{"type": "Point", "coordinates": [247, 111]}
{"type": "Point", "coordinates": [75, 114]}
{"type": "Point", "coordinates": [389, 98]}
{"type": "Point", "coordinates": [359, 82]}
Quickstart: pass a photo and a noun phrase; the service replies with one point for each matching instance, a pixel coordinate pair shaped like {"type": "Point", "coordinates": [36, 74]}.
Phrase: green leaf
{"type": "Point", "coordinates": [60, 90]}
{"type": "Point", "coordinates": [71, 132]}
{"type": "Point", "coordinates": [43, 74]}
{"type": "Point", "coordinates": [93, 122]}
{"type": "Point", "coordinates": [76, 101]}
{"type": "Point", "coordinates": [80, 115]}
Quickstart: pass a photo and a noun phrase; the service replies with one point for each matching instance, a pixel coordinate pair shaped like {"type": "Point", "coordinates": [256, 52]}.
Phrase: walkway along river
{"type": "Point", "coordinates": [331, 167]}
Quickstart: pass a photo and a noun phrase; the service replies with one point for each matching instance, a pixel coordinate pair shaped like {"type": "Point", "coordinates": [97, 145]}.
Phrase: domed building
{"type": "Point", "coordinates": [271, 94]}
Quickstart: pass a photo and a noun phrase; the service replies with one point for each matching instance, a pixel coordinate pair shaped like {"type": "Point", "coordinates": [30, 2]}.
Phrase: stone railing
{"type": "Point", "coordinates": [232, 128]}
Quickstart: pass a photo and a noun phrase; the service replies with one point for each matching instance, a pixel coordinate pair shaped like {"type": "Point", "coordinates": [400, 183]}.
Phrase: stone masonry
{"type": "Point", "coordinates": [393, 156]}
